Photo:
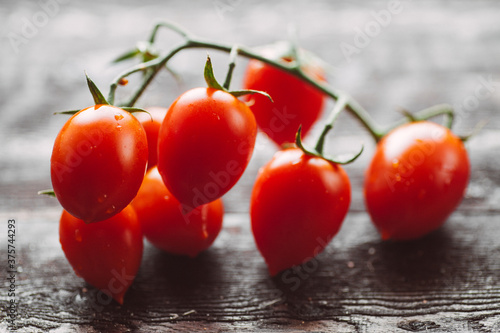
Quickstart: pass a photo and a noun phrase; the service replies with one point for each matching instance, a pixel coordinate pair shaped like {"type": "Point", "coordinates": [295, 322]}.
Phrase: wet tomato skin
{"type": "Point", "coordinates": [167, 226]}
{"type": "Point", "coordinates": [294, 103]}
{"type": "Point", "coordinates": [98, 162]}
{"type": "Point", "coordinates": [416, 179]}
{"type": "Point", "coordinates": [298, 204]}
{"type": "Point", "coordinates": [205, 143]}
{"type": "Point", "coordinates": [106, 254]}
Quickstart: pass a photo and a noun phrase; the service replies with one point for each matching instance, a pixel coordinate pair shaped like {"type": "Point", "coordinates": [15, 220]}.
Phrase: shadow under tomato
{"type": "Point", "coordinates": [169, 275]}
{"type": "Point", "coordinates": [431, 262]}
{"type": "Point", "coordinates": [319, 288]}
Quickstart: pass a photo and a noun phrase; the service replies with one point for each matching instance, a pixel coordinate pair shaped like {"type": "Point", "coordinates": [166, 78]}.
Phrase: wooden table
{"type": "Point", "coordinates": [423, 53]}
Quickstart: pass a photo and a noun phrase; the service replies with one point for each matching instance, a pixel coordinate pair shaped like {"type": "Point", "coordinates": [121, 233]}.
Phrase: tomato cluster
{"type": "Point", "coordinates": [194, 153]}
{"type": "Point", "coordinates": [162, 175]}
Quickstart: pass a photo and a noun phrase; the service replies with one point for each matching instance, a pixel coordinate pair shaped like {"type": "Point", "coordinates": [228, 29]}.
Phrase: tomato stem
{"type": "Point", "coordinates": [339, 106]}
{"type": "Point", "coordinates": [171, 26]}
{"type": "Point", "coordinates": [232, 64]}
{"type": "Point", "coordinates": [299, 144]}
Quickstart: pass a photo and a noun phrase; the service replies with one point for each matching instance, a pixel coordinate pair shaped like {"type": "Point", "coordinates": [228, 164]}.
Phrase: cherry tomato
{"type": "Point", "coordinates": [298, 204]}
{"type": "Point", "coordinates": [151, 123]}
{"type": "Point", "coordinates": [417, 178]}
{"type": "Point", "coordinates": [106, 254]}
{"type": "Point", "coordinates": [98, 162]}
{"type": "Point", "coordinates": [295, 102]}
{"type": "Point", "coordinates": [205, 143]}
{"type": "Point", "coordinates": [167, 226]}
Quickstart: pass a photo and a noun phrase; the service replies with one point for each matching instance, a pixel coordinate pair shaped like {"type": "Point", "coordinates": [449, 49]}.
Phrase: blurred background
{"type": "Point", "coordinates": [388, 55]}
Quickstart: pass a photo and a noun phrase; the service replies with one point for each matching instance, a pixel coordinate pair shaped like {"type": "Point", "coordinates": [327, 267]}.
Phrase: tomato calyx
{"type": "Point", "coordinates": [48, 192]}
{"type": "Point", "coordinates": [318, 149]}
{"type": "Point", "coordinates": [320, 154]}
{"type": "Point", "coordinates": [442, 109]}
{"type": "Point", "coordinates": [99, 99]}
{"type": "Point", "coordinates": [477, 128]}
{"type": "Point", "coordinates": [213, 83]}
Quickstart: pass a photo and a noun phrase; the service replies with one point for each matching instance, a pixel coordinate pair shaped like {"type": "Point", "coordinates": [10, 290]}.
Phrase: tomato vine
{"type": "Point", "coordinates": [152, 67]}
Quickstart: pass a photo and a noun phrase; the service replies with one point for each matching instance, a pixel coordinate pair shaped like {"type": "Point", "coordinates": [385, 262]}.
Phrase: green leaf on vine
{"type": "Point", "coordinates": [127, 55]}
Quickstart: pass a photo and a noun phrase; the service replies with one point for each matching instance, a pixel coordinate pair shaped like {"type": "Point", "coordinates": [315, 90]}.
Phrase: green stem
{"type": "Point", "coordinates": [350, 104]}
{"type": "Point", "coordinates": [170, 26]}
{"type": "Point", "coordinates": [152, 67]}
{"type": "Point", "coordinates": [340, 104]}
{"type": "Point", "coordinates": [232, 64]}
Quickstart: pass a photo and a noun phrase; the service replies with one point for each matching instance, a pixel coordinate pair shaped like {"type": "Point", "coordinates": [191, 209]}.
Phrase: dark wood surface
{"type": "Point", "coordinates": [428, 53]}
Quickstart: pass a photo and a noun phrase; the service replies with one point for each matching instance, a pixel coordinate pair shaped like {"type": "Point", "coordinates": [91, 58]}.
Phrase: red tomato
{"type": "Point", "coordinates": [298, 204]}
{"type": "Point", "coordinates": [152, 128]}
{"type": "Point", "coordinates": [165, 225]}
{"type": "Point", "coordinates": [295, 102]}
{"type": "Point", "coordinates": [106, 254]}
{"type": "Point", "coordinates": [416, 179]}
{"type": "Point", "coordinates": [205, 143]}
{"type": "Point", "coordinates": [98, 162]}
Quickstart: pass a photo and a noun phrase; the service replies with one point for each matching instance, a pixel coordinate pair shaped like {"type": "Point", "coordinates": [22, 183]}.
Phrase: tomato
{"type": "Point", "coordinates": [106, 254]}
{"type": "Point", "coordinates": [417, 178]}
{"type": "Point", "coordinates": [295, 102]}
{"type": "Point", "coordinates": [151, 123]}
{"type": "Point", "coordinates": [205, 143]}
{"type": "Point", "coordinates": [298, 204]}
{"type": "Point", "coordinates": [165, 225]}
{"type": "Point", "coordinates": [98, 162]}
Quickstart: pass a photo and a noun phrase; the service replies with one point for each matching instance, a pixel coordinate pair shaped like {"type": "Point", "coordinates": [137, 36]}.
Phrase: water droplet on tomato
{"type": "Point", "coordinates": [118, 116]}
{"type": "Point", "coordinates": [118, 127]}
{"type": "Point", "coordinates": [78, 235]}
{"type": "Point", "coordinates": [395, 163]}
{"type": "Point", "coordinates": [101, 198]}
{"type": "Point", "coordinates": [110, 209]}
{"type": "Point", "coordinates": [398, 177]}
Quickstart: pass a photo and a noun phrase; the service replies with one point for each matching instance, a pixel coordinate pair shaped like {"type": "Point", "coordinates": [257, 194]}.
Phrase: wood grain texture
{"type": "Point", "coordinates": [429, 53]}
